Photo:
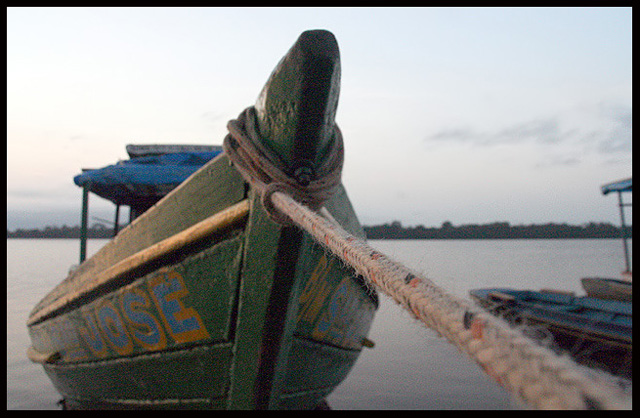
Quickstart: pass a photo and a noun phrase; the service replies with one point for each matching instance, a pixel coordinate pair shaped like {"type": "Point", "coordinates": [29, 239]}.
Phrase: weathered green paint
{"type": "Point", "coordinates": [175, 375]}
{"type": "Point", "coordinates": [172, 404]}
{"type": "Point", "coordinates": [206, 286]}
{"type": "Point", "coordinates": [257, 317]}
{"type": "Point", "coordinates": [308, 337]}
{"type": "Point", "coordinates": [323, 306]}
{"type": "Point", "coordinates": [256, 285]}
{"type": "Point", "coordinates": [296, 109]}
{"type": "Point", "coordinates": [334, 313]}
{"type": "Point", "coordinates": [325, 366]}
{"type": "Point", "coordinates": [211, 189]}
{"type": "Point", "coordinates": [327, 299]}
{"type": "Point", "coordinates": [173, 370]}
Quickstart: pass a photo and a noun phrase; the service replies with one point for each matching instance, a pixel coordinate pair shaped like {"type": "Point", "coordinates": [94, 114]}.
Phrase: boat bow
{"type": "Point", "coordinates": [289, 140]}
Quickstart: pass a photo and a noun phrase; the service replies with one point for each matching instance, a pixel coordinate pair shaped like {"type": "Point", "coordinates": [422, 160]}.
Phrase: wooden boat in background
{"type": "Point", "coordinates": [610, 288]}
{"type": "Point", "coordinates": [595, 329]}
{"type": "Point", "coordinates": [203, 301]}
{"type": "Point", "coordinates": [605, 288]}
{"type": "Point", "coordinates": [620, 187]}
{"type": "Point", "coordinates": [140, 182]}
{"type": "Point", "coordinates": [595, 332]}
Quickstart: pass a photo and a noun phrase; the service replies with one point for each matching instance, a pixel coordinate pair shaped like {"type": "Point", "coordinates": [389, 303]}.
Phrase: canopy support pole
{"type": "Point", "coordinates": [84, 222]}
{"type": "Point", "coordinates": [623, 232]}
{"type": "Point", "coordinates": [116, 225]}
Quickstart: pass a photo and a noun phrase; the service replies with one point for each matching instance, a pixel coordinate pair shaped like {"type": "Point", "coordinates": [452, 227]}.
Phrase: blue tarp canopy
{"type": "Point", "coordinates": [617, 186]}
{"type": "Point", "coordinates": [141, 181]}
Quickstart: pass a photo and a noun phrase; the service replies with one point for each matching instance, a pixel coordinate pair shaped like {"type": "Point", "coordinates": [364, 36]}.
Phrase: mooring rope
{"type": "Point", "coordinates": [264, 170]}
{"type": "Point", "coordinates": [532, 373]}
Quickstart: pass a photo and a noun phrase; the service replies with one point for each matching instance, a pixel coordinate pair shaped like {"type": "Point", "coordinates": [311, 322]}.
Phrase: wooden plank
{"type": "Point", "coordinates": [42, 358]}
{"type": "Point", "coordinates": [269, 313]}
{"type": "Point", "coordinates": [504, 297]}
{"type": "Point", "coordinates": [316, 359]}
{"type": "Point", "coordinates": [325, 294]}
{"type": "Point", "coordinates": [211, 189]}
{"type": "Point", "coordinates": [147, 378]}
{"type": "Point", "coordinates": [296, 119]}
{"type": "Point", "coordinates": [281, 316]}
{"type": "Point", "coordinates": [228, 217]}
{"type": "Point", "coordinates": [259, 263]}
{"type": "Point", "coordinates": [192, 302]}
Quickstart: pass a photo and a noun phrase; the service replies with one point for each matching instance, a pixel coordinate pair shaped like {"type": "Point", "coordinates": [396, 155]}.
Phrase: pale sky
{"type": "Point", "coordinates": [463, 115]}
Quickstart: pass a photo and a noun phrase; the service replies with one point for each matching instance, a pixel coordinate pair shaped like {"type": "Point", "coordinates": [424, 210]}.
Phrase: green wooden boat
{"type": "Point", "coordinates": [204, 301]}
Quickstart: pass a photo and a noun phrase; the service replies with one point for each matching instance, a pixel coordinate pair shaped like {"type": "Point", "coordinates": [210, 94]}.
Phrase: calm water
{"type": "Point", "coordinates": [409, 368]}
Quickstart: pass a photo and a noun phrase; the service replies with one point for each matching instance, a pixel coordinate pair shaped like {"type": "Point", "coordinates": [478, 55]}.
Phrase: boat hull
{"type": "Point", "coordinates": [255, 315]}
{"type": "Point", "coordinates": [603, 288]}
{"type": "Point", "coordinates": [596, 333]}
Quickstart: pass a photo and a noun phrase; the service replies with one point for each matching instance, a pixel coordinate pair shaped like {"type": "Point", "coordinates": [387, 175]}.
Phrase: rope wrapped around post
{"type": "Point", "coordinates": [533, 374]}
{"type": "Point", "coordinates": [263, 169]}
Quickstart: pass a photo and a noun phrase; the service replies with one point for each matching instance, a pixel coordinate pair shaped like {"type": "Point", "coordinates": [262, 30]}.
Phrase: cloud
{"type": "Point", "coordinates": [559, 161]}
{"type": "Point", "coordinates": [618, 137]}
{"type": "Point", "coordinates": [614, 143]}
{"type": "Point", "coordinates": [456, 135]}
{"type": "Point", "coordinates": [604, 129]}
{"type": "Point", "coordinates": [545, 131]}
{"type": "Point", "coordinates": [212, 117]}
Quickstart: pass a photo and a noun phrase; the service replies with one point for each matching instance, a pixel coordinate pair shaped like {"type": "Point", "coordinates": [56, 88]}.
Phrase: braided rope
{"type": "Point", "coordinates": [533, 374]}
{"type": "Point", "coordinates": [263, 169]}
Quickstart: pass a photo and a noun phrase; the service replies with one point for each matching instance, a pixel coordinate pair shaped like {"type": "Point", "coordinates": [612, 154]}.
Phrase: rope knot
{"type": "Point", "coordinates": [265, 171]}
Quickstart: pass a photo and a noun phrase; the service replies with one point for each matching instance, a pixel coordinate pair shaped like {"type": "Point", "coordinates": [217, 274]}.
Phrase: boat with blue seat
{"type": "Point", "coordinates": [595, 329]}
{"type": "Point", "coordinates": [595, 332]}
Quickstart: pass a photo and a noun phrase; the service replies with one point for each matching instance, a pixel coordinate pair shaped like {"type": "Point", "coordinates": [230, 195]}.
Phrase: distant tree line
{"type": "Point", "coordinates": [395, 230]}
{"type": "Point", "coordinates": [496, 230]}
{"type": "Point", "coordinates": [96, 230]}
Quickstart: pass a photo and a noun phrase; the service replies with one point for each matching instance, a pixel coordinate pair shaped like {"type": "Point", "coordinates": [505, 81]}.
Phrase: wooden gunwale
{"type": "Point", "coordinates": [42, 358]}
{"type": "Point", "coordinates": [226, 218]}
{"type": "Point", "coordinates": [602, 336]}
